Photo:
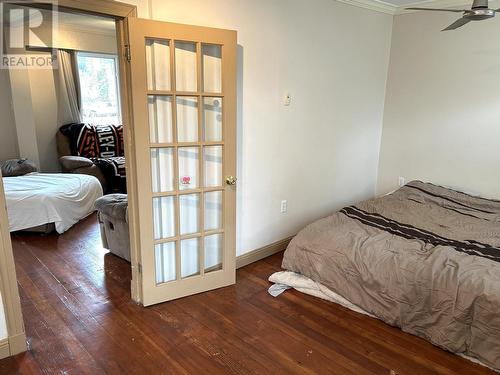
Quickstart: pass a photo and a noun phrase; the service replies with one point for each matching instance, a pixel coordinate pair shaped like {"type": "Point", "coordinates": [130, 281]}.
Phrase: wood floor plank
{"type": "Point", "coordinates": [191, 358]}
{"type": "Point", "coordinates": [353, 345]}
{"type": "Point", "coordinates": [22, 364]}
{"type": "Point", "coordinates": [214, 346]}
{"type": "Point", "coordinates": [60, 326]}
{"type": "Point", "coordinates": [83, 322]}
{"type": "Point", "coordinates": [281, 343]}
{"type": "Point", "coordinates": [295, 316]}
{"type": "Point", "coordinates": [374, 330]}
{"type": "Point", "coordinates": [79, 319]}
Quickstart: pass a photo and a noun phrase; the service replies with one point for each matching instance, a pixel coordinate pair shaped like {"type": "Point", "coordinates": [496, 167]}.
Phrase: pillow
{"type": "Point", "coordinates": [17, 167]}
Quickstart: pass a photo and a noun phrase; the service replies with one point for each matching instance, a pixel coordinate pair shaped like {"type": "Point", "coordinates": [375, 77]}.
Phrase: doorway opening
{"type": "Point", "coordinates": [64, 148]}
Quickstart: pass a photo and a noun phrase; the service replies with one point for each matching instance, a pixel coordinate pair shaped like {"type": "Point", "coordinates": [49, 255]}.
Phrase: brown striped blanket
{"type": "Point", "coordinates": [424, 258]}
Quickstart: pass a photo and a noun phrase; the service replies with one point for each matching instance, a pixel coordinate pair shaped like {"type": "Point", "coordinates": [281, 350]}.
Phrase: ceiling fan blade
{"type": "Point", "coordinates": [440, 10]}
{"type": "Point", "coordinates": [458, 23]}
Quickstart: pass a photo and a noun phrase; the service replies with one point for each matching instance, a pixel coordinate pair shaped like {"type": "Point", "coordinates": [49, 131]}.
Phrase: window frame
{"type": "Point", "coordinates": [101, 55]}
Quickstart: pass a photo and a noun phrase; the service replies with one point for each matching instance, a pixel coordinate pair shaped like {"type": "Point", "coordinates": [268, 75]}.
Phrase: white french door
{"type": "Point", "coordinates": [184, 126]}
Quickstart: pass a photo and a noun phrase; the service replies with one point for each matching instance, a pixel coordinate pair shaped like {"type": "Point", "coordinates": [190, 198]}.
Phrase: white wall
{"type": "Point", "coordinates": [85, 40]}
{"type": "Point", "coordinates": [8, 147]}
{"type": "Point", "coordinates": [321, 152]}
{"type": "Point", "coordinates": [142, 7]}
{"type": "Point", "coordinates": [442, 111]}
{"type": "Point", "coordinates": [22, 106]}
{"type": "Point", "coordinates": [80, 32]}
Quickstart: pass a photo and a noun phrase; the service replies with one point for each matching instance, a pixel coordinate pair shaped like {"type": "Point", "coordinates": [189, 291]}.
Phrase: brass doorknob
{"type": "Point", "coordinates": [231, 180]}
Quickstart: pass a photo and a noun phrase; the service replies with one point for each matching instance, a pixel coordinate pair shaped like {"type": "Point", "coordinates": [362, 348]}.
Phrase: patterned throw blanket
{"type": "Point", "coordinates": [424, 258]}
{"type": "Point", "coordinates": [103, 144]}
{"type": "Point", "coordinates": [113, 169]}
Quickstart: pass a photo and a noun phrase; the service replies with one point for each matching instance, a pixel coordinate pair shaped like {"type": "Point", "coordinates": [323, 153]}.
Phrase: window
{"type": "Point", "coordinates": [99, 95]}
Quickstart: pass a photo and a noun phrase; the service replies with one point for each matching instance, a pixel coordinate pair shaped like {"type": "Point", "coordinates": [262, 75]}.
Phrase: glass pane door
{"type": "Point", "coordinates": [189, 146]}
{"type": "Point", "coordinates": [187, 202]}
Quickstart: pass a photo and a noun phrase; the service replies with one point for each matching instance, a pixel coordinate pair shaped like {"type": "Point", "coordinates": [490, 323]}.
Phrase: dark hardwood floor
{"type": "Point", "coordinates": [79, 320]}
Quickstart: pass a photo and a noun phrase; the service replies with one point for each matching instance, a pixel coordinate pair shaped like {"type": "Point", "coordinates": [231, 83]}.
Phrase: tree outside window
{"type": "Point", "coordinates": [99, 95]}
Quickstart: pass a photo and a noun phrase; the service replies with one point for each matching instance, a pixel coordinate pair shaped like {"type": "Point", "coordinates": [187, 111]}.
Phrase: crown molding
{"type": "Point", "coordinates": [387, 8]}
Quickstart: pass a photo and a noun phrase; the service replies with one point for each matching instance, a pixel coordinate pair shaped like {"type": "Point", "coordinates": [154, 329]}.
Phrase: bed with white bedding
{"type": "Point", "coordinates": [36, 199]}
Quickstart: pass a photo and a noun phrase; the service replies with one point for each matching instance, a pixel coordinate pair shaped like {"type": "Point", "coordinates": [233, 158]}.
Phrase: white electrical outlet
{"type": "Point", "coordinates": [284, 207]}
{"type": "Point", "coordinates": [401, 181]}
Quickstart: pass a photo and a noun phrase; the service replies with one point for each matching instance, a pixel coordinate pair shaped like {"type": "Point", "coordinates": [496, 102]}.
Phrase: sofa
{"type": "Point", "coordinates": [95, 150]}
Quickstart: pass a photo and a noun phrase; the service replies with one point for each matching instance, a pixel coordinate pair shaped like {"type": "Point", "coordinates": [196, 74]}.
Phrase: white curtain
{"type": "Point", "coordinates": [68, 86]}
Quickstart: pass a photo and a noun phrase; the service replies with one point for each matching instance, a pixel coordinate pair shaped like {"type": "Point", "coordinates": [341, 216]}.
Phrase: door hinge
{"type": "Point", "coordinates": [128, 55]}
{"type": "Point", "coordinates": [139, 268]}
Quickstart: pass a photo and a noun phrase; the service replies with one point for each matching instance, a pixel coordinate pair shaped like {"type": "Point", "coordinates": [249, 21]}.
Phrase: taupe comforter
{"type": "Point", "coordinates": [424, 258]}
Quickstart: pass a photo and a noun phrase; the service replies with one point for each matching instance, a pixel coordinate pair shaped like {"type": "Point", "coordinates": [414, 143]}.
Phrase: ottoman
{"type": "Point", "coordinates": [112, 213]}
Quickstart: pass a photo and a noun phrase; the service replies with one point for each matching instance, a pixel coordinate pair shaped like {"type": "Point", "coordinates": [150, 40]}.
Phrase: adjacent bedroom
{"type": "Point", "coordinates": [62, 143]}
{"type": "Point", "coordinates": [250, 187]}
{"type": "Point", "coordinates": [62, 149]}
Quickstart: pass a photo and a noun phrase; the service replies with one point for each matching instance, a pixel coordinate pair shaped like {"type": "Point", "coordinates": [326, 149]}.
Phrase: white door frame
{"type": "Point", "coordinates": [16, 340]}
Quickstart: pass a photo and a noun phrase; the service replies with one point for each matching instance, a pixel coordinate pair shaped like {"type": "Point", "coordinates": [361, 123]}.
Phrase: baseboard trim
{"type": "Point", "coordinates": [263, 252]}
{"type": "Point", "coordinates": [4, 348]}
{"type": "Point", "coordinates": [17, 343]}
{"type": "Point", "coordinates": [12, 345]}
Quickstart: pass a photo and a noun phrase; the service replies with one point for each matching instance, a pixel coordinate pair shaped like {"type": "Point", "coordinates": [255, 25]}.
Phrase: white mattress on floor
{"type": "Point", "coordinates": [286, 279]}
{"type": "Point", "coordinates": [41, 198]}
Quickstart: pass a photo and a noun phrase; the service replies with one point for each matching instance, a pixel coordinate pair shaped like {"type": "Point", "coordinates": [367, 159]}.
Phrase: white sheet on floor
{"type": "Point", "coordinates": [306, 285]}
{"type": "Point", "coordinates": [284, 280]}
{"type": "Point", "coordinates": [42, 198]}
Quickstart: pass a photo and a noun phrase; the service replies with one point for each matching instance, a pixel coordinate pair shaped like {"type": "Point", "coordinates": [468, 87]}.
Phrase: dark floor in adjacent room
{"type": "Point", "coordinates": [80, 320]}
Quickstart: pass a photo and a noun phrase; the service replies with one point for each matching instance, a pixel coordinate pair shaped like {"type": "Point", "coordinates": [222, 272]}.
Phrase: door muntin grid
{"type": "Point", "coordinates": [186, 122]}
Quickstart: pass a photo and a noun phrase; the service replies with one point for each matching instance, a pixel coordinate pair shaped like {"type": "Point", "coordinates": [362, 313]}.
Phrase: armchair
{"type": "Point", "coordinates": [76, 164]}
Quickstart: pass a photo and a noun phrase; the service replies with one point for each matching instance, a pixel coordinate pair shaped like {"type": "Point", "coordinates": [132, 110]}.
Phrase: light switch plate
{"type": "Point", "coordinates": [287, 99]}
